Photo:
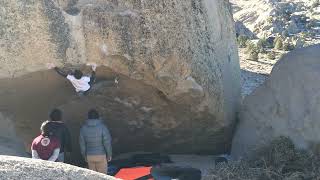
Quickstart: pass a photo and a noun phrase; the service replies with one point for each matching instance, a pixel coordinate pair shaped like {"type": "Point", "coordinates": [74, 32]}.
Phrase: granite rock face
{"type": "Point", "coordinates": [24, 168]}
{"type": "Point", "coordinates": [177, 62]}
{"type": "Point", "coordinates": [287, 104]}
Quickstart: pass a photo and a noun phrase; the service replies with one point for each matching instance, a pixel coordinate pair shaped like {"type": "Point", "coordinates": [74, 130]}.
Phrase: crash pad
{"type": "Point", "coordinates": [133, 173]}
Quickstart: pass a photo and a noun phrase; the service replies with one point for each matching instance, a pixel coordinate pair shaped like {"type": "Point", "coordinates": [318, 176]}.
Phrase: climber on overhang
{"type": "Point", "coordinates": [81, 83]}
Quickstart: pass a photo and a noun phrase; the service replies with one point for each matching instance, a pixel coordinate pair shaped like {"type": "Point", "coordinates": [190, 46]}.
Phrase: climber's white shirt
{"type": "Point", "coordinates": [81, 85]}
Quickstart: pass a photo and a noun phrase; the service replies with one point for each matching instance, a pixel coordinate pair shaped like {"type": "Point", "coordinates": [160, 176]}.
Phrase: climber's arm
{"type": "Point", "coordinates": [61, 72]}
{"type": "Point", "coordinates": [58, 70]}
{"type": "Point", "coordinates": [93, 73]}
{"type": "Point", "coordinates": [93, 76]}
{"type": "Point", "coordinates": [54, 155]}
{"type": "Point", "coordinates": [35, 154]}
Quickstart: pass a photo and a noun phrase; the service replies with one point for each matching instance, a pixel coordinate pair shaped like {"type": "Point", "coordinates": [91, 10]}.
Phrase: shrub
{"type": "Point", "coordinates": [280, 150]}
{"type": "Point", "coordinates": [254, 55]}
{"type": "Point", "coordinates": [270, 20]}
{"type": "Point", "coordinates": [299, 43]}
{"type": "Point", "coordinates": [315, 3]}
{"type": "Point", "coordinates": [286, 46]}
{"type": "Point", "coordinates": [253, 51]}
{"type": "Point", "coordinates": [264, 42]}
{"type": "Point", "coordinates": [249, 46]}
{"type": "Point", "coordinates": [271, 55]}
{"type": "Point", "coordinates": [278, 43]}
{"type": "Point", "coordinates": [311, 11]}
{"type": "Point", "coordinates": [304, 35]}
{"type": "Point", "coordinates": [279, 160]}
{"type": "Point", "coordinates": [269, 42]}
{"type": "Point", "coordinates": [242, 41]}
{"type": "Point", "coordinates": [261, 45]}
{"type": "Point", "coordinates": [275, 40]}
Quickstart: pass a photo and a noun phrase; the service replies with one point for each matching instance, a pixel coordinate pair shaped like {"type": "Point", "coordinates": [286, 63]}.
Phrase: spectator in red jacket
{"type": "Point", "coordinates": [45, 146]}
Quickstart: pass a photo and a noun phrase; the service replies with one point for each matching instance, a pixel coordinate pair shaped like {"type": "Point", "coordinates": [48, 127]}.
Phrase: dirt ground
{"type": "Point", "coordinates": [203, 163]}
{"type": "Point", "coordinates": [253, 73]}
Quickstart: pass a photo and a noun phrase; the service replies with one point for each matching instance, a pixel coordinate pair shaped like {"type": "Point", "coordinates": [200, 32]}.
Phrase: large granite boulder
{"type": "Point", "coordinates": [16, 168]}
{"type": "Point", "coordinates": [177, 61]}
{"type": "Point", "coordinates": [287, 104]}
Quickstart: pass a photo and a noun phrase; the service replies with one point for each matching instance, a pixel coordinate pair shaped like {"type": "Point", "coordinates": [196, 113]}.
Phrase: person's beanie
{"type": "Point", "coordinates": [93, 114]}
{"type": "Point", "coordinates": [55, 115]}
{"type": "Point", "coordinates": [45, 129]}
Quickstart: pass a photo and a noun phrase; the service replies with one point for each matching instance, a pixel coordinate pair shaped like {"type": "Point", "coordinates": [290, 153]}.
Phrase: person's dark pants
{"type": "Point", "coordinates": [92, 80]}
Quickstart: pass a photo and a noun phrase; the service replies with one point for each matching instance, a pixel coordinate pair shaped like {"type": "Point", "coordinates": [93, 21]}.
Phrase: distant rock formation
{"type": "Point", "coordinates": [242, 30]}
{"type": "Point", "coordinates": [287, 104]}
{"type": "Point", "coordinates": [289, 18]}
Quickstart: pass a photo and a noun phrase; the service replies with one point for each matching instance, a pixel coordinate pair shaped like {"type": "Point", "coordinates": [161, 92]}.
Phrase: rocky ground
{"type": "Point", "coordinates": [203, 163]}
{"type": "Point", "coordinates": [16, 168]}
{"type": "Point", "coordinates": [263, 22]}
{"type": "Point", "coordinates": [253, 73]}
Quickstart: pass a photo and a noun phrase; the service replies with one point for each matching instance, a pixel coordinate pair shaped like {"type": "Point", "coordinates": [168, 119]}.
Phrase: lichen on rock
{"type": "Point", "coordinates": [58, 28]}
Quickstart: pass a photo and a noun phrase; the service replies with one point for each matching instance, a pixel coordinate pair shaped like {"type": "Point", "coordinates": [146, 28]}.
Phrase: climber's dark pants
{"type": "Point", "coordinates": [92, 80]}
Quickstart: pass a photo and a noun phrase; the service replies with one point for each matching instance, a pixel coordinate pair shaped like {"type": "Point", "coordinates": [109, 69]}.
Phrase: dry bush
{"type": "Point", "coordinates": [271, 55]}
{"type": "Point", "coordinates": [242, 41]}
{"type": "Point", "coordinates": [278, 161]}
{"type": "Point", "coordinates": [315, 4]}
{"type": "Point", "coordinates": [254, 55]}
{"type": "Point", "coordinates": [252, 50]}
{"type": "Point", "coordinates": [287, 46]}
{"type": "Point", "coordinates": [262, 44]}
{"type": "Point", "coordinates": [278, 43]}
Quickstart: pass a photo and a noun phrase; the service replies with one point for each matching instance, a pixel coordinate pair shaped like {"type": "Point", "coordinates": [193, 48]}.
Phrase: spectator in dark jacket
{"type": "Point", "coordinates": [60, 130]}
{"type": "Point", "coordinates": [95, 143]}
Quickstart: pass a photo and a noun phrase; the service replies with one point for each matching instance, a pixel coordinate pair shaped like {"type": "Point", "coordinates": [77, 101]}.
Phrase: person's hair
{"type": "Point", "coordinates": [93, 114]}
{"type": "Point", "coordinates": [45, 129]}
{"type": "Point", "coordinates": [55, 115]}
{"type": "Point", "coordinates": [77, 74]}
